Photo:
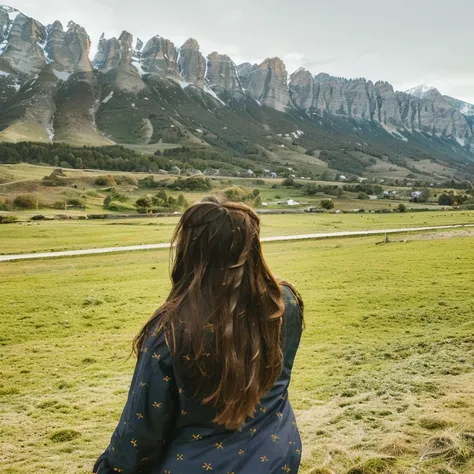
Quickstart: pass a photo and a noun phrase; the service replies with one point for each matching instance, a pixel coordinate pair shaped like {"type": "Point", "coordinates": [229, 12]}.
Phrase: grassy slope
{"type": "Point", "coordinates": [385, 363]}
{"type": "Point", "coordinates": [62, 235]}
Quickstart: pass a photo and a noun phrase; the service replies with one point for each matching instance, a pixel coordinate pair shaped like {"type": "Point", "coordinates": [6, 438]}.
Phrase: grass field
{"type": "Point", "coordinates": [383, 382]}
{"type": "Point", "coordinates": [70, 235]}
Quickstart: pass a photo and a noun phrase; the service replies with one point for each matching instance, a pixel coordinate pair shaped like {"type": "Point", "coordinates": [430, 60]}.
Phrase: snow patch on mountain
{"type": "Point", "coordinates": [421, 91]}
{"type": "Point", "coordinates": [108, 97]}
{"type": "Point", "coordinates": [62, 75]}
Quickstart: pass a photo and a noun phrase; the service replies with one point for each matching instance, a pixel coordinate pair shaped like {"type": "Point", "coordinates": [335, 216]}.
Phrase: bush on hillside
{"type": "Point", "coordinates": [107, 180]}
{"type": "Point", "coordinates": [126, 179]}
{"type": "Point", "coordinates": [327, 204]}
{"type": "Point", "coordinates": [38, 217]}
{"type": "Point", "coordinates": [446, 200]}
{"type": "Point", "coordinates": [74, 202]}
{"type": "Point", "coordinates": [5, 205]}
{"type": "Point", "coordinates": [193, 183]}
{"type": "Point", "coordinates": [237, 194]}
{"type": "Point", "coordinates": [402, 207]}
{"type": "Point", "coordinates": [25, 201]}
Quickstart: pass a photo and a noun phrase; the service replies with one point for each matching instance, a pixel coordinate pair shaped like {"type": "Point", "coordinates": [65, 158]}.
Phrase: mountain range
{"type": "Point", "coordinates": [144, 93]}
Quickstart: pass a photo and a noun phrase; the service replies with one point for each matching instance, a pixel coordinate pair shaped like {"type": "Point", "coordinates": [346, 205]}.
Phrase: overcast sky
{"type": "Point", "coordinates": [405, 42]}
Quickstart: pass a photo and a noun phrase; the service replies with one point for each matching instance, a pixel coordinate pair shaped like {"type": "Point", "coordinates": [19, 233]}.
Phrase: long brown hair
{"type": "Point", "coordinates": [224, 309]}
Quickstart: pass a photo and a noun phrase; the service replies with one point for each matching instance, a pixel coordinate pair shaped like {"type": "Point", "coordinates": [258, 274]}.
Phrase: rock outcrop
{"type": "Point", "coordinates": [22, 49]}
{"type": "Point", "coordinates": [433, 114]}
{"type": "Point", "coordinates": [268, 84]}
{"type": "Point", "coordinates": [69, 51]}
{"type": "Point", "coordinates": [113, 53]}
{"type": "Point", "coordinates": [221, 74]}
{"type": "Point", "coordinates": [244, 71]}
{"type": "Point", "coordinates": [160, 56]}
{"type": "Point", "coordinates": [192, 64]}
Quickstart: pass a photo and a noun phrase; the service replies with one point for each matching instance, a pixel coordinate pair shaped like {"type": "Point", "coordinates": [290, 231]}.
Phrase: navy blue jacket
{"type": "Point", "coordinates": [162, 430]}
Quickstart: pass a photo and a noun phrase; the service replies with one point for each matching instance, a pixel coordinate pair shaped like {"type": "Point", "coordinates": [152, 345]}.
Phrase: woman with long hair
{"type": "Point", "coordinates": [210, 388]}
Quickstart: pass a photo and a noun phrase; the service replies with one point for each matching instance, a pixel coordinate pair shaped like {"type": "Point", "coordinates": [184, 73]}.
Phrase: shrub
{"type": "Point", "coordinates": [59, 205]}
{"type": "Point", "coordinates": [362, 196]}
{"type": "Point", "coordinates": [255, 193]}
{"type": "Point", "coordinates": [25, 201]}
{"type": "Point", "coordinates": [237, 194]}
{"type": "Point", "coordinates": [446, 199]}
{"type": "Point", "coordinates": [327, 204]}
{"type": "Point", "coordinates": [288, 182]}
{"type": "Point", "coordinates": [74, 202]}
{"type": "Point", "coordinates": [310, 189]}
{"type": "Point", "coordinates": [402, 207]}
{"type": "Point", "coordinates": [8, 219]}
{"type": "Point", "coordinates": [148, 182]}
{"type": "Point", "coordinates": [182, 202]}
{"type": "Point", "coordinates": [193, 183]}
{"type": "Point", "coordinates": [107, 180]}
{"type": "Point", "coordinates": [124, 179]}
{"type": "Point", "coordinates": [5, 205]}
{"type": "Point", "coordinates": [38, 217]}
{"type": "Point", "coordinates": [144, 205]}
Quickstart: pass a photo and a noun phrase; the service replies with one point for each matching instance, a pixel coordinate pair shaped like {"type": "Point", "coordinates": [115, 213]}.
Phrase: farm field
{"type": "Point", "coordinates": [43, 236]}
{"type": "Point", "coordinates": [383, 381]}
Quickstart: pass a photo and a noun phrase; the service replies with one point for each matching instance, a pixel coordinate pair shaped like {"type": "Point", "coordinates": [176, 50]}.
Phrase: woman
{"type": "Point", "coordinates": [210, 389]}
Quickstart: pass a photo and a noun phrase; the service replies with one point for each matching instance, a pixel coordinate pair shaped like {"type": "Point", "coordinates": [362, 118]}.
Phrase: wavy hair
{"type": "Point", "coordinates": [224, 310]}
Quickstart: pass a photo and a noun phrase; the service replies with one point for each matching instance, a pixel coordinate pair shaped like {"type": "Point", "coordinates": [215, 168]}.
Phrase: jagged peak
{"type": "Point", "coordinates": [214, 56]}
{"type": "Point", "coordinates": [301, 71]}
{"type": "Point", "coordinates": [126, 36]}
{"type": "Point", "coordinates": [423, 90]}
{"type": "Point", "coordinates": [57, 25]}
{"type": "Point", "coordinates": [191, 43]}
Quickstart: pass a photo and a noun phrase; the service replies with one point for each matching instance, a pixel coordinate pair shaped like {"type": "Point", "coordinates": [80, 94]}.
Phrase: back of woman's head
{"type": "Point", "coordinates": [224, 309]}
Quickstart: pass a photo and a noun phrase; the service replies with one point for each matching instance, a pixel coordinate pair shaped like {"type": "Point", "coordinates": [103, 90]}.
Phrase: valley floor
{"type": "Point", "coordinates": [383, 381]}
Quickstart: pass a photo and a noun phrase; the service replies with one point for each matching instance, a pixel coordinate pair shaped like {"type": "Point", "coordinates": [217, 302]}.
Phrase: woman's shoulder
{"type": "Point", "coordinates": [291, 296]}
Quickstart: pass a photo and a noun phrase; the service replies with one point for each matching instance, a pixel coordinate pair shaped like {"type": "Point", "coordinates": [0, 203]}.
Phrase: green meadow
{"type": "Point", "coordinates": [383, 381]}
{"type": "Point", "coordinates": [44, 236]}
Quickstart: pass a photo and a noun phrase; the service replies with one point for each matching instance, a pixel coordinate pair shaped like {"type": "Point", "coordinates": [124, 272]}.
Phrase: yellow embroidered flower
{"type": "Point", "coordinates": [207, 466]}
{"type": "Point", "coordinates": [263, 459]}
{"type": "Point", "coordinates": [140, 416]}
{"type": "Point", "coordinates": [241, 452]}
{"type": "Point", "coordinates": [134, 443]}
{"type": "Point", "coordinates": [196, 437]}
{"type": "Point", "coordinates": [275, 438]}
{"type": "Point", "coordinates": [180, 457]}
{"type": "Point", "coordinates": [286, 468]}
{"type": "Point", "coordinates": [157, 405]}
{"type": "Point", "coordinates": [220, 445]}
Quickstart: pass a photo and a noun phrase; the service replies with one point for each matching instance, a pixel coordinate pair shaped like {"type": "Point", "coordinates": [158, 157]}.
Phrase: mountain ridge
{"type": "Point", "coordinates": [152, 92]}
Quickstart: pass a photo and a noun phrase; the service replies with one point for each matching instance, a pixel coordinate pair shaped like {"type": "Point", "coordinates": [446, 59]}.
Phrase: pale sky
{"type": "Point", "coordinates": [404, 42]}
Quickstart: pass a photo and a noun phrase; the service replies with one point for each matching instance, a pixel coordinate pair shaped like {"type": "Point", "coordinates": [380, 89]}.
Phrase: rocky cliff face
{"type": "Point", "coordinates": [192, 64]}
{"type": "Point", "coordinates": [268, 84]}
{"type": "Point", "coordinates": [49, 88]}
{"type": "Point", "coordinates": [221, 74]}
{"type": "Point", "coordinates": [423, 110]}
{"type": "Point", "coordinates": [69, 51]}
{"type": "Point", "coordinates": [244, 71]}
{"type": "Point", "coordinates": [160, 56]}
{"type": "Point", "coordinates": [113, 53]}
{"type": "Point", "coordinates": [22, 48]}
{"type": "Point", "coordinates": [433, 114]}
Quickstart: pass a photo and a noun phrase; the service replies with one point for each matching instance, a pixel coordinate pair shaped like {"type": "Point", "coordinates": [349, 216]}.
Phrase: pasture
{"type": "Point", "coordinates": [383, 381]}
{"type": "Point", "coordinates": [44, 236]}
